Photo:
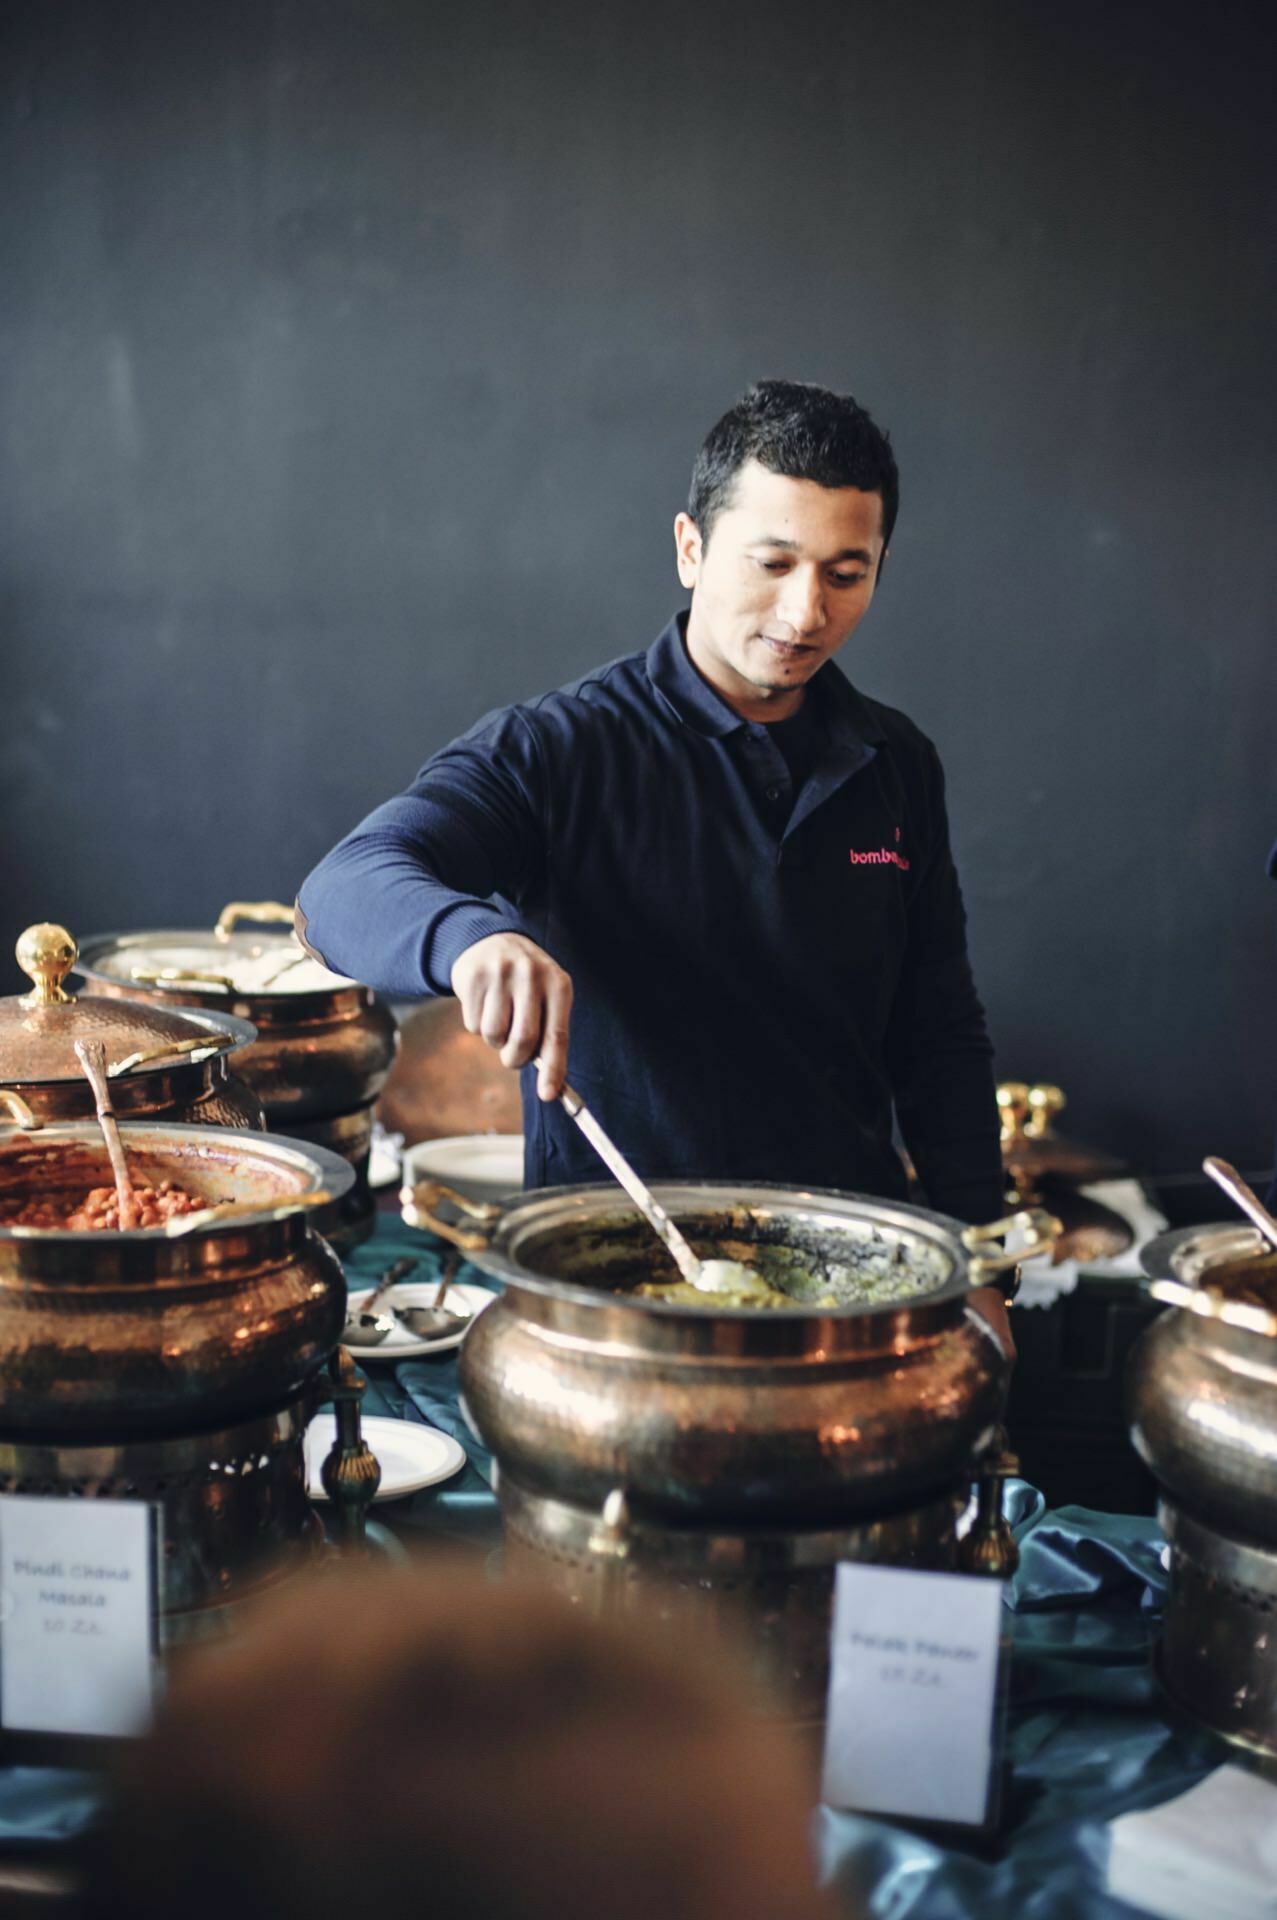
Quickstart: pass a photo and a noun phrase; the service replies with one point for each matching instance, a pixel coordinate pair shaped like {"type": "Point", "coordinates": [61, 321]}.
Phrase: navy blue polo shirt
{"type": "Point", "coordinates": [759, 973]}
{"type": "Point", "coordinates": [1272, 1191]}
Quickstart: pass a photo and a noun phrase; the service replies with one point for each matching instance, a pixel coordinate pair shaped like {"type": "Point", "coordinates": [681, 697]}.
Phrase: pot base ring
{"type": "Point", "coordinates": [234, 1513]}
{"type": "Point", "coordinates": [771, 1588]}
{"type": "Point", "coordinates": [1217, 1659]}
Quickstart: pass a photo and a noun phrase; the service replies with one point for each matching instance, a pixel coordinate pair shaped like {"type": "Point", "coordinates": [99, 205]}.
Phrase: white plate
{"type": "Point", "coordinates": [410, 1457]}
{"type": "Point", "coordinates": [483, 1166]}
{"type": "Point", "coordinates": [399, 1344]}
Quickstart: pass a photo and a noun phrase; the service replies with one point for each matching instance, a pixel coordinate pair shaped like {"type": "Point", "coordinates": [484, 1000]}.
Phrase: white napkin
{"type": "Point", "coordinates": [1042, 1284]}
{"type": "Point", "coordinates": [1213, 1851]}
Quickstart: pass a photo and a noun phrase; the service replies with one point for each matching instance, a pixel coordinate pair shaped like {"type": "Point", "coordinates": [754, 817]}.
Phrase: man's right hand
{"type": "Point", "coordinates": [513, 994]}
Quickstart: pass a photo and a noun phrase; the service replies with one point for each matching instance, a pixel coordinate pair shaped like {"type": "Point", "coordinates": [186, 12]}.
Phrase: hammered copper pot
{"type": "Point", "coordinates": [1202, 1402]}
{"type": "Point", "coordinates": [1201, 1382]}
{"type": "Point", "coordinates": [124, 1334]}
{"type": "Point", "coordinates": [799, 1417]}
{"type": "Point", "coordinates": [696, 1463]}
{"type": "Point", "coordinates": [179, 1368]}
{"type": "Point", "coordinates": [323, 1044]}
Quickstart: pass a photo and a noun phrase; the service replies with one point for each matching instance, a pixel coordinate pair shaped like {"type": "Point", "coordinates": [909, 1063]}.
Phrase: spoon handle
{"type": "Point", "coordinates": [389, 1278]}
{"type": "Point", "coordinates": [451, 1261]}
{"type": "Point", "coordinates": [1243, 1196]}
{"type": "Point", "coordinates": [616, 1163]}
{"type": "Point", "coordinates": [92, 1057]}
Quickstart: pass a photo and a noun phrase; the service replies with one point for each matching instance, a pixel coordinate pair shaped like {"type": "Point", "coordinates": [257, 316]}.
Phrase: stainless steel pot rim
{"type": "Point", "coordinates": [219, 1026]}
{"type": "Point", "coordinates": [1178, 1266]}
{"type": "Point", "coordinates": [92, 951]}
{"type": "Point", "coordinates": [544, 1209]}
{"type": "Point", "coordinates": [324, 1170]}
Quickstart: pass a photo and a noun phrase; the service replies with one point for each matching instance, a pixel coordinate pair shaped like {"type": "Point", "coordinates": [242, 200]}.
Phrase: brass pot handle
{"type": "Point", "coordinates": [203, 1043]}
{"type": "Point", "coordinates": [179, 977]}
{"type": "Point", "coordinates": [1042, 1228]}
{"type": "Point", "coordinates": [216, 1211]}
{"type": "Point", "coordinates": [17, 1108]}
{"type": "Point", "coordinates": [417, 1209]}
{"type": "Point", "coordinates": [268, 913]}
{"type": "Point", "coordinates": [1213, 1305]}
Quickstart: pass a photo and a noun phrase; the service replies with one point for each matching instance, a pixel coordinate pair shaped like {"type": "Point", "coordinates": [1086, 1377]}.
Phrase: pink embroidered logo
{"type": "Point", "coordinates": [881, 857]}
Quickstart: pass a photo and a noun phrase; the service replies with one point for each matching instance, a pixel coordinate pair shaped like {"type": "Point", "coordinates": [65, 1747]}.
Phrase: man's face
{"type": "Point", "coordinates": [788, 572]}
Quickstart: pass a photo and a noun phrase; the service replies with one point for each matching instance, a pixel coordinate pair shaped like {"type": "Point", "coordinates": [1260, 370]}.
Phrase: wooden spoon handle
{"type": "Point", "coordinates": [92, 1057]}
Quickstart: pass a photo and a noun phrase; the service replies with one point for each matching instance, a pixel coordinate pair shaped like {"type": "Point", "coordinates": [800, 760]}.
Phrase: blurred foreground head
{"type": "Point", "coordinates": [392, 1743]}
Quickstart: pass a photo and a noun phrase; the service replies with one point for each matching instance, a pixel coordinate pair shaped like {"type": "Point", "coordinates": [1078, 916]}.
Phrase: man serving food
{"type": "Point", "coordinates": [712, 881]}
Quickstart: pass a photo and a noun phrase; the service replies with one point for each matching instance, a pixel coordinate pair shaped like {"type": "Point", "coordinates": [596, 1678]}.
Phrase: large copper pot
{"type": "Point", "coordinates": [163, 1063]}
{"type": "Point", "coordinates": [323, 1044]}
{"type": "Point", "coordinates": [156, 1330]}
{"type": "Point", "coordinates": [1202, 1380]}
{"type": "Point", "coordinates": [801, 1417]}
{"type": "Point", "coordinates": [175, 1368]}
{"type": "Point", "coordinates": [695, 1463]}
{"type": "Point", "coordinates": [1202, 1403]}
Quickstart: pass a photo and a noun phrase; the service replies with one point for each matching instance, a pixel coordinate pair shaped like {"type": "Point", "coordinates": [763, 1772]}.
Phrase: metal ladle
{"type": "Point", "coordinates": [708, 1276]}
{"type": "Point", "coordinates": [1243, 1196]}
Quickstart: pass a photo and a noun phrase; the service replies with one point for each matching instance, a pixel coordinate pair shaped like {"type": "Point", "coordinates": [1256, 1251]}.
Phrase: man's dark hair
{"type": "Point", "coordinates": [804, 432]}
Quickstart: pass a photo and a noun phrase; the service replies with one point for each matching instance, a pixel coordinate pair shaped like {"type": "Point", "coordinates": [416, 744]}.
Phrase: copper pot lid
{"type": "Point", "coordinates": [223, 959]}
{"type": "Point", "coordinates": [1032, 1150]}
{"type": "Point", "coordinates": [38, 1030]}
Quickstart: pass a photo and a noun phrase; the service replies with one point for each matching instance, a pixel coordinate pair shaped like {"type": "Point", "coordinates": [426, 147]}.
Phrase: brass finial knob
{"type": "Point", "coordinates": [1044, 1104]}
{"type": "Point", "coordinates": [1013, 1109]}
{"type": "Point", "coordinates": [46, 955]}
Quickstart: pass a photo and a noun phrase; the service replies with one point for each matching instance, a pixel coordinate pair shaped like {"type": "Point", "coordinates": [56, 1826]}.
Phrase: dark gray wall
{"type": "Point", "coordinates": [354, 356]}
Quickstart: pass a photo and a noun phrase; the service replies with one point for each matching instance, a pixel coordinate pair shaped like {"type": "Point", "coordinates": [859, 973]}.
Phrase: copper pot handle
{"type": "Point", "coordinates": [1042, 1228]}
{"type": "Point", "coordinates": [203, 1043]}
{"type": "Point", "coordinates": [417, 1209]}
{"type": "Point", "coordinates": [19, 1111]}
{"type": "Point", "coordinates": [268, 913]}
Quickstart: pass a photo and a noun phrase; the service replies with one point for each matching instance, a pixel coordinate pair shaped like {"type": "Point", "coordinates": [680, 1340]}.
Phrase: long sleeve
{"type": "Point", "coordinates": [938, 1050]}
{"type": "Point", "coordinates": [430, 872]}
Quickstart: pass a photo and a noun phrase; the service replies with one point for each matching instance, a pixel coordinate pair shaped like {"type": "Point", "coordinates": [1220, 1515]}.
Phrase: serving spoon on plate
{"type": "Point", "coordinates": [367, 1328]}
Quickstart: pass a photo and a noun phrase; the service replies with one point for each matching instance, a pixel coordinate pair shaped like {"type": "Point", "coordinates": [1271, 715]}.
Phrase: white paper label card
{"type": "Point", "coordinates": [77, 1610]}
{"type": "Point", "coordinates": [913, 1694]}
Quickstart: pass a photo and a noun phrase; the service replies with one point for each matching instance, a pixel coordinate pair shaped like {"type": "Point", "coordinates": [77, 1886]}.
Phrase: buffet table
{"type": "Point", "coordinates": [1088, 1733]}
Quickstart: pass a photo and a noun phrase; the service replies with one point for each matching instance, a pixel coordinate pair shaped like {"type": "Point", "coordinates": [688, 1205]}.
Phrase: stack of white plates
{"type": "Point", "coordinates": [1212, 1851]}
{"type": "Point", "coordinates": [483, 1166]}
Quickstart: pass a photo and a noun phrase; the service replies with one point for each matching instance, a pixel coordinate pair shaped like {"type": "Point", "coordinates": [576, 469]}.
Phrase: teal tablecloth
{"type": "Point", "coordinates": [424, 1389]}
{"type": "Point", "coordinates": [1088, 1737]}
{"type": "Point", "coordinates": [1088, 1734]}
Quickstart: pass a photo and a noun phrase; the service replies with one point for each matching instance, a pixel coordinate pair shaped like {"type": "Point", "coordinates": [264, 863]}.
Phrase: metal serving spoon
{"type": "Point", "coordinates": [708, 1276]}
{"type": "Point", "coordinates": [436, 1321]}
{"type": "Point", "coordinates": [364, 1327]}
{"type": "Point", "coordinates": [1243, 1196]}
